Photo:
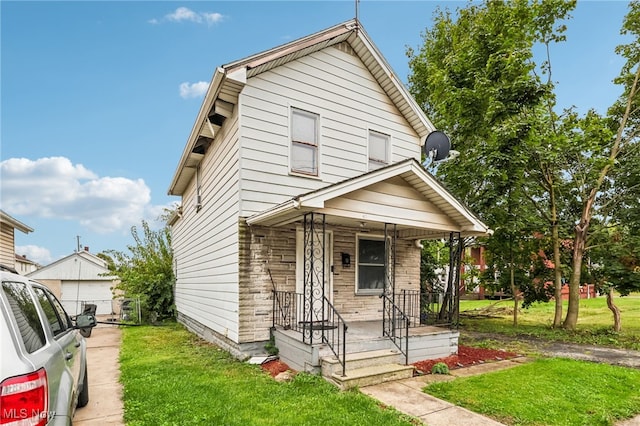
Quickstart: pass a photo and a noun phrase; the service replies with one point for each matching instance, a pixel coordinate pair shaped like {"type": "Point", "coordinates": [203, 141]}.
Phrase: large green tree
{"type": "Point", "coordinates": [476, 78]}
{"type": "Point", "coordinates": [607, 142]}
{"type": "Point", "coordinates": [146, 271]}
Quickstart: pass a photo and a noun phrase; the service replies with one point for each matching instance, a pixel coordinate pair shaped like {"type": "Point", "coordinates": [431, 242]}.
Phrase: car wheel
{"type": "Point", "coordinates": [83, 398]}
{"type": "Point", "coordinates": [85, 332]}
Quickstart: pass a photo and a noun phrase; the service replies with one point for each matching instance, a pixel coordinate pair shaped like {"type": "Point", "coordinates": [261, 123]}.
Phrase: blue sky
{"type": "Point", "coordinates": [98, 98]}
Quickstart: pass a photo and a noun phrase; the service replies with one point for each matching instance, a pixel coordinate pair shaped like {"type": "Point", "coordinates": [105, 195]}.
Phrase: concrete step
{"type": "Point", "coordinates": [331, 365]}
{"type": "Point", "coordinates": [372, 375]}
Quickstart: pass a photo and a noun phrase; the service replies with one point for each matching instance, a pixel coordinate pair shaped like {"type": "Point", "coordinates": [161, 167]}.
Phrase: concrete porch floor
{"type": "Point", "coordinates": [360, 331]}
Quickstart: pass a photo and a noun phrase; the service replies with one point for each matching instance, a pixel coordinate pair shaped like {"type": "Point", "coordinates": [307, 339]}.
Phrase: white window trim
{"type": "Point", "coordinates": [318, 144]}
{"type": "Point", "coordinates": [358, 291]}
{"type": "Point", "coordinates": [388, 153]}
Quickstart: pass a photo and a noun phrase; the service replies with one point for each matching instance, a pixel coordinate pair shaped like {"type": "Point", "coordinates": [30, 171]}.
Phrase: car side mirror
{"type": "Point", "coordinates": [85, 321]}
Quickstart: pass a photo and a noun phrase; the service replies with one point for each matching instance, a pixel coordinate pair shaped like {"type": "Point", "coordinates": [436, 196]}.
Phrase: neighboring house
{"type": "Point", "coordinates": [24, 265]}
{"type": "Point", "coordinates": [8, 225]}
{"type": "Point", "coordinates": [77, 278]}
{"type": "Point", "coordinates": [301, 174]}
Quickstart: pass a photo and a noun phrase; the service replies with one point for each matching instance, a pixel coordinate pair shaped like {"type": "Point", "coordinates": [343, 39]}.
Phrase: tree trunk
{"type": "Point", "coordinates": [514, 290]}
{"type": "Point", "coordinates": [579, 242]}
{"type": "Point", "coordinates": [557, 319]}
{"type": "Point", "coordinates": [617, 326]}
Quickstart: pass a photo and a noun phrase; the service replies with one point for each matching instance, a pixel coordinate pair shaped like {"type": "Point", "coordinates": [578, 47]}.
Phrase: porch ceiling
{"type": "Point", "coordinates": [403, 194]}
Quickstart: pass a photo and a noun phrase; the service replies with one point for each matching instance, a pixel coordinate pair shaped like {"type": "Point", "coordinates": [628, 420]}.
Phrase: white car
{"type": "Point", "coordinates": [43, 374]}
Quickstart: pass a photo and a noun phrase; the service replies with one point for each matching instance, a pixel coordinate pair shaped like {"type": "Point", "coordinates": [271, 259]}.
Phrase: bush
{"type": "Point", "coordinates": [440, 368]}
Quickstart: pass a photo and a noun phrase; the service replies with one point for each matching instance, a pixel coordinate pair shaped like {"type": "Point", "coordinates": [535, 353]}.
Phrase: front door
{"type": "Point", "coordinates": [328, 274]}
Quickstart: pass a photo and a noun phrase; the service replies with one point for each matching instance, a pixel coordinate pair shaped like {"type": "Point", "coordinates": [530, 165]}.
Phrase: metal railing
{"type": "Point", "coordinates": [288, 313]}
{"type": "Point", "coordinates": [336, 336]}
{"type": "Point", "coordinates": [395, 325]}
{"type": "Point", "coordinates": [426, 308]}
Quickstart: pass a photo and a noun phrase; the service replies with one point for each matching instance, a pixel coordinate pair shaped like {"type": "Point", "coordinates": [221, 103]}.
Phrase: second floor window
{"type": "Point", "coordinates": [304, 142]}
{"type": "Point", "coordinates": [378, 150]}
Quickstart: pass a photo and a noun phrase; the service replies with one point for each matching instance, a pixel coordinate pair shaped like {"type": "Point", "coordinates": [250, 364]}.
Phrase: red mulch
{"type": "Point", "coordinates": [466, 357]}
{"type": "Point", "coordinates": [275, 367]}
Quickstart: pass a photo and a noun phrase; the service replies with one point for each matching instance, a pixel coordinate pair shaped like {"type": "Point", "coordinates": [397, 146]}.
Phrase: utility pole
{"type": "Point", "coordinates": [78, 243]}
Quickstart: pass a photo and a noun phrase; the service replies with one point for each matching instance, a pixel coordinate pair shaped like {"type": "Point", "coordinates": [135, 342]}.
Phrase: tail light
{"type": "Point", "coordinates": [24, 400]}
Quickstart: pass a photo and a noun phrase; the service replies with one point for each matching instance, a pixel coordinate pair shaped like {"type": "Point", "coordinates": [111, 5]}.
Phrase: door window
{"type": "Point", "coordinates": [56, 316]}
{"type": "Point", "coordinates": [25, 313]}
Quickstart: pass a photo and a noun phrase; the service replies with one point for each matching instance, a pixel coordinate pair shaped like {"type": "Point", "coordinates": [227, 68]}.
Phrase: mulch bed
{"type": "Point", "coordinates": [275, 367]}
{"type": "Point", "coordinates": [466, 357]}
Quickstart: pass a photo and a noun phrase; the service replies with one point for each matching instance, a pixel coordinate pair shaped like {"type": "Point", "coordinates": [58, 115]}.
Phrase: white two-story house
{"type": "Point", "coordinates": [303, 206]}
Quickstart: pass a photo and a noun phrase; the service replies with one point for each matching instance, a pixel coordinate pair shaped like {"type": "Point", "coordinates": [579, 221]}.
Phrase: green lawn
{"type": "Point", "coordinates": [549, 392]}
{"type": "Point", "coordinates": [594, 322]}
{"type": "Point", "coordinates": [171, 377]}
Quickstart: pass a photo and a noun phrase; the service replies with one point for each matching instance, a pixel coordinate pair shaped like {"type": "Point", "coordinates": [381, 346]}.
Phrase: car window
{"type": "Point", "coordinates": [25, 313]}
{"type": "Point", "coordinates": [56, 316]}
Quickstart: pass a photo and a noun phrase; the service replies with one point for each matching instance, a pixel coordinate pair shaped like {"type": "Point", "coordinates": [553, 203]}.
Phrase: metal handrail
{"type": "Point", "coordinates": [426, 308]}
{"type": "Point", "coordinates": [288, 313]}
{"type": "Point", "coordinates": [336, 336]}
{"type": "Point", "coordinates": [395, 325]}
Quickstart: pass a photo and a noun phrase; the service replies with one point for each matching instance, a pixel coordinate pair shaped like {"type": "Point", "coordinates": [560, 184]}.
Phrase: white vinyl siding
{"type": "Point", "coordinates": [7, 254]}
{"type": "Point", "coordinates": [336, 86]}
{"type": "Point", "coordinates": [304, 142]}
{"type": "Point", "coordinates": [205, 243]}
{"type": "Point", "coordinates": [378, 150]}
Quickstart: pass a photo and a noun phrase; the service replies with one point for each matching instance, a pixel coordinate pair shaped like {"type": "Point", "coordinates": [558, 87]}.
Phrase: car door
{"type": "Point", "coordinates": [69, 342]}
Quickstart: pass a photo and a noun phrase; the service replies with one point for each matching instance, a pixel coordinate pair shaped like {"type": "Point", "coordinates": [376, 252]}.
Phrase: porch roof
{"type": "Point", "coordinates": [403, 194]}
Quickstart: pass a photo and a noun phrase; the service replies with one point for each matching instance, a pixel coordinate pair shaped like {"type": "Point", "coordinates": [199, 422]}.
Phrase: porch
{"type": "Point", "coordinates": [383, 348]}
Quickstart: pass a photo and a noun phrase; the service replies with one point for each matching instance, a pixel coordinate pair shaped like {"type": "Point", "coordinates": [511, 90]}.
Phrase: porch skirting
{"type": "Point", "coordinates": [241, 351]}
{"type": "Point", "coordinates": [425, 342]}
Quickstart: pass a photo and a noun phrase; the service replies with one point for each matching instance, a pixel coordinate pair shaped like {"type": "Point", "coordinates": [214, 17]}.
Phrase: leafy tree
{"type": "Point", "coordinates": [606, 142]}
{"type": "Point", "coordinates": [476, 78]}
{"type": "Point", "coordinates": [146, 271]}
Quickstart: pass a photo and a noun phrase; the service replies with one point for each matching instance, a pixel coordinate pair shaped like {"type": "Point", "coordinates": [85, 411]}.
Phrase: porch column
{"type": "Point", "coordinates": [314, 277]}
{"type": "Point", "coordinates": [449, 311]}
{"type": "Point", "coordinates": [390, 260]}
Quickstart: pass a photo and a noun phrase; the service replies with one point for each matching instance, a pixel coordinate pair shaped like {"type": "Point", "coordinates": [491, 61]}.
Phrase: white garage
{"type": "Point", "coordinates": [96, 292]}
{"type": "Point", "coordinates": [77, 278]}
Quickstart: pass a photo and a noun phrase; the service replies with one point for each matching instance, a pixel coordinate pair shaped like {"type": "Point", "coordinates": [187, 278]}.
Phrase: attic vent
{"type": "Point", "coordinates": [345, 47]}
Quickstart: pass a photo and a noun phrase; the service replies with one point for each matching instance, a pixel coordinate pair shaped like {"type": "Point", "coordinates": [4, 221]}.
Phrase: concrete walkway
{"type": "Point", "coordinates": [406, 396]}
{"type": "Point", "coordinates": [105, 391]}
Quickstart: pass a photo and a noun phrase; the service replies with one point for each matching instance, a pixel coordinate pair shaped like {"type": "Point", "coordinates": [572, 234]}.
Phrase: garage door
{"type": "Point", "coordinates": [96, 292]}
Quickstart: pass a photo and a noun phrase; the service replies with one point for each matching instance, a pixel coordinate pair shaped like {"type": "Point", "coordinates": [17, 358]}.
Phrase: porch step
{"type": "Point", "coordinates": [372, 375]}
{"type": "Point", "coordinates": [357, 360]}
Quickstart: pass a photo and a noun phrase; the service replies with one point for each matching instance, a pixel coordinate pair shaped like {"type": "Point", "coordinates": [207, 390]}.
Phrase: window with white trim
{"type": "Point", "coordinates": [370, 265]}
{"type": "Point", "coordinates": [378, 150]}
{"type": "Point", "coordinates": [304, 142]}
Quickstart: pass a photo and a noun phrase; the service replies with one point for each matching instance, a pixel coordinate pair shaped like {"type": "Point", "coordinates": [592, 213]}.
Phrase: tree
{"type": "Point", "coordinates": [608, 140]}
{"type": "Point", "coordinates": [476, 78]}
{"type": "Point", "coordinates": [146, 271]}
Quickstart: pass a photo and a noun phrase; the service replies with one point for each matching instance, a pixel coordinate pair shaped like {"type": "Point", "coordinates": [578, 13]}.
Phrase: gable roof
{"type": "Point", "coordinates": [425, 209]}
{"type": "Point", "coordinates": [228, 81]}
{"type": "Point", "coordinates": [94, 268]}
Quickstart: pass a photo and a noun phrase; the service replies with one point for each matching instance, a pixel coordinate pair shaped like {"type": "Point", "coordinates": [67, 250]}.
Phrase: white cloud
{"type": "Point", "coordinates": [184, 14]}
{"type": "Point", "coordinates": [53, 187]}
{"type": "Point", "coordinates": [193, 90]}
{"type": "Point", "coordinates": [36, 254]}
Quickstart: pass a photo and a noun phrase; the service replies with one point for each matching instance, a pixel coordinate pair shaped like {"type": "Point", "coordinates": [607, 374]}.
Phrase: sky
{"type": "Point", "coordinates": [97, 99]}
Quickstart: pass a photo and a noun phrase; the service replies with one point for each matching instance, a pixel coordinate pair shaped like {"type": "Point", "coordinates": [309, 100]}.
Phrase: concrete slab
{"type": "Point", "coordinates": [105, 391]}
{"type": "Point", "coordinates": [430, 410]}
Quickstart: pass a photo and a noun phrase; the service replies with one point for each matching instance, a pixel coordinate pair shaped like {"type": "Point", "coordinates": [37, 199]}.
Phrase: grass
{"type": "Point", "coordinates": [536, 394]}
{"type": "Point", "coordinates": [594, 322]}
{"type": "Point", "coordinates": [171, 377]}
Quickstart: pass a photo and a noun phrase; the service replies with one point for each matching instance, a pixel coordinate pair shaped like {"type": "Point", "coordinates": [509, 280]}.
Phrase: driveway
{"type": "Point", "coordinates": [105, 391]}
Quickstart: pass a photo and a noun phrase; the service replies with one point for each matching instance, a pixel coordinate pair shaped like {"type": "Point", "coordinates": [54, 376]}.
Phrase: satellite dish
{"type": "Point", "coordinates": [437, 146]}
